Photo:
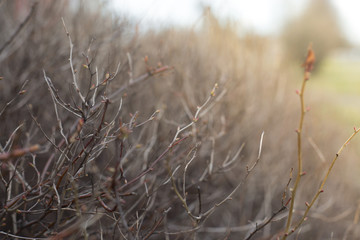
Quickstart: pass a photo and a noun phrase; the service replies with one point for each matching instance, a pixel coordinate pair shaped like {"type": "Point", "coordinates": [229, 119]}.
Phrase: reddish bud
{"type": "Point", "coordinates": [307, 204]}
{"type": "Point", "coordinates": [303, 173]}
{"type": "Point", "coordinates": [297, 92]}
{"type": "Point", "coordinates": [310, 60]}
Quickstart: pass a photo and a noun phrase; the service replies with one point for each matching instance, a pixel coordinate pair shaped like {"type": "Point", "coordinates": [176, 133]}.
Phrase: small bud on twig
{"type": "Point", "coordinates": [213, 91]}
{"type": "Point", "coordinates": [310, 60]}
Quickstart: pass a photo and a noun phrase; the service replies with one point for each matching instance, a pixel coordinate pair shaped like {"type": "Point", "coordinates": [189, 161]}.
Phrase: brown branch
{"type": "Point", "coordinates": [19, 152]}
{"type": "Point", "coordinates": [151, 167]}
{"type": "Point", "coordinates": [21, 26]}
{"type": "Point", "coordinates": [20, 92]}
{"type": "Point", "coordinates": [137, 80]}
{"type": "Point", "coordinates": [261, 226]}
{"type": "Point", "coordinates": [154, 228]}
{"type": "Point", "coordinates": [106, 207]}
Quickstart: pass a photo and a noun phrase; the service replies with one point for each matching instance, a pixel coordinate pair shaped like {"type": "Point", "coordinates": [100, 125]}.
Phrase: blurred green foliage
{"type": "Point", "coordinates": [336, 88]}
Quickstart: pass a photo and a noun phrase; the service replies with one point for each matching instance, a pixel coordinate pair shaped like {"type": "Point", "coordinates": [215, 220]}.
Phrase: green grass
{"type": "Point", "coordinates": [336, 89]}
{"type": "Point", "coordinates": [338, 77]}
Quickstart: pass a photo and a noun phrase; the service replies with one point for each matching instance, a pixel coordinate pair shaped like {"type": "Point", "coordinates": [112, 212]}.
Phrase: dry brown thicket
{"type": "Point", "coordinates": [108, 132]}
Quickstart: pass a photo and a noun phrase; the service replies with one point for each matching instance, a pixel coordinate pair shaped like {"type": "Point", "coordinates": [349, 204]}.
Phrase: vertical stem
{"type": "Point", "coordinates": [299, 144]}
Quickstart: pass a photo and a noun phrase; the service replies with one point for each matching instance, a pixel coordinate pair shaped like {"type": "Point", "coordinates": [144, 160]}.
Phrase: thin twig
{"type": "Point", "coordinates": [77, 89]}
{"type": "Point", "coordinates": [196, 116]}
{"type": "Point", "coordinates": [21, 91]}
{"type": "Point", "coordinates": [266, 222]}
{"type": "Point", "coordinates": [248, 171]}
{"type": "Point", "coordinates": [20, 237]}
{"type": "Point", "coordinates": [57, 114]}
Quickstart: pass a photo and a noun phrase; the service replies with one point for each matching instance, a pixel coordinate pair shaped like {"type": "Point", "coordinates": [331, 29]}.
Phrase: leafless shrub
{"type": "Point", "coordinates": [108, 133]}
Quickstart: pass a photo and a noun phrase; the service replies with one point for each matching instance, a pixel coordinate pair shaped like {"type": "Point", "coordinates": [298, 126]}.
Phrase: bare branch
{"type": "Point", "coordinates": [21, 26]}
{"type": "Point", "coordinates": [77, 89]}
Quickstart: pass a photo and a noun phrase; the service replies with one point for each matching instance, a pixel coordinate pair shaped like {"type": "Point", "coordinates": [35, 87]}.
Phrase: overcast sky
{"type": "Point", "coordinates": [261, 16]}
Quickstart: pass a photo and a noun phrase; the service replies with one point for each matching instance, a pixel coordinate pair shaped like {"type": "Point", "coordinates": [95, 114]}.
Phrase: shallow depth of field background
{"type": "Point", "coordinates": [257, 71]}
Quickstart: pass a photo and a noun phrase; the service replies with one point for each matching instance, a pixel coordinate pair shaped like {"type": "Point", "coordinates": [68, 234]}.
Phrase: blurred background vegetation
{"type": "Point", "coordinates": [319, 24]}
{"type": "Point", "coordinates": [257, 77]}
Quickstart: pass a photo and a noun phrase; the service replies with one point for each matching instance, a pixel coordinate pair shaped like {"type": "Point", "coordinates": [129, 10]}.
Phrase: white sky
{"type": "Point", "coordinates": [262, 16]}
